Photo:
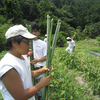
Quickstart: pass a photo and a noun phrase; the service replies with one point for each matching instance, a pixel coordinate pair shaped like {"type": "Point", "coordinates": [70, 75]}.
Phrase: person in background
{"type": "Point", "coordinates": [15, 73]}
{"type": "Point", "coordinates": [45, 40]}
{"type": "Point", "coordinates": [71, 45]}
{"type": "Point", "coordinates": [39, 52]}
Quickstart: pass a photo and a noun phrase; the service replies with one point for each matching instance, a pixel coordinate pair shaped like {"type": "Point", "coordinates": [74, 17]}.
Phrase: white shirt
{"type": "Point", "coordinates": [39, 51]}
{"type": "Point", "coordinates": [45, 40]}
{"type": "Point", "coordinates": [71, 43]}
{"type": "Point", "coordinates": [22, 67]}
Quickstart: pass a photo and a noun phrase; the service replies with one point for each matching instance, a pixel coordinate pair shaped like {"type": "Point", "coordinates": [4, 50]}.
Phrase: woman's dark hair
{"type": "Point", "coordinates": [16, 39]}
{"type": "Point", "coordinates": [34, 25]}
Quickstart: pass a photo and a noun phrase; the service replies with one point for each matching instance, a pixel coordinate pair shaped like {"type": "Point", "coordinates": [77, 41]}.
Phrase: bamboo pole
{"type": "Point", "coordinates": [73, 35]}
{"type": "Point", "coordinates": [49, 62]}
{"type": "Point", "coordinates": [55, 38]}
{"type": "Point", "coordinates": [29, 27]}
{"type": "Point", "coordinates": [48, 42]}
{"type": "Point", "coordinates": [65, 87]}
{"type": "Point", "coordinates": [50, 50]}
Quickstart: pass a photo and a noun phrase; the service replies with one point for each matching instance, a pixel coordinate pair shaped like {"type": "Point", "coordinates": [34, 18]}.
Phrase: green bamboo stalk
{"type": "Point", "coordinates": [60, 77]}
{"type": "Point", "coordinates": [53, 45]}
{"type": "Point", "coordinates": [48, 42]}
{"type": "Point", "coordinates": [48, 50]}
{"type": "Point", "coordinates": [65, 87]}
{"type": "Point", "coordinates": [49, 60]}
{"type": "Point", "coordinates": [29, 27]}
{"type": "Point", "coordinates": [31, 57]}
{"type": "Point", "coordinates": [55, 37]}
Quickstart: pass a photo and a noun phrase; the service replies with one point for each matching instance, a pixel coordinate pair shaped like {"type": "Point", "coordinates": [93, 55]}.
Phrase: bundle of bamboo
{"type": "Point", "coordinates": [50, 48]}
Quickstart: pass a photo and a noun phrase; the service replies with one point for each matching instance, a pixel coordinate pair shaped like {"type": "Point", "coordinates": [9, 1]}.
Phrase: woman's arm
{"type": "Point", "coordinates": [13, 83]}
{"type": "Point", "coordinates": [39, 71]}
{"type": "Point", "coordinates": [38, 60]}
{"type": "Point", "coordinates": [73, 48]}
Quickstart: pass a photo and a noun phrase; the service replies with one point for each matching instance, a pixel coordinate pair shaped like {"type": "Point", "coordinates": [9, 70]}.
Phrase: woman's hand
{"type": "Point", "coordinates": [44, 69]}
{"type": "Point", "coordinates": [45, 81]}
{"type": "Point", "coordinates": [34, 61]}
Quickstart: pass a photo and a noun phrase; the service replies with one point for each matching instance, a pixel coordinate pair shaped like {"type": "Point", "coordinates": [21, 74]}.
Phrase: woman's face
{"type": "Point", "coordinates": [23, 47]}
{"type": "Point", "coordinates": [35, 32]}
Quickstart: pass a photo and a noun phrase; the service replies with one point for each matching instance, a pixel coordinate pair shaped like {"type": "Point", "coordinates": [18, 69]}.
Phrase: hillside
{"type": "Point", "coordinates": [82, 70]}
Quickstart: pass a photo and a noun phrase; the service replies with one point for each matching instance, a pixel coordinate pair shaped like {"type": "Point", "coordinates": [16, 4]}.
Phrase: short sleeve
{"type": "Point", "coordinates": [4, 69]}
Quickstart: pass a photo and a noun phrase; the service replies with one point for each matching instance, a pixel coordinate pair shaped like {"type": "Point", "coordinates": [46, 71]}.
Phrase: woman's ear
{"type": "Point", "coordinates": [13, 43]}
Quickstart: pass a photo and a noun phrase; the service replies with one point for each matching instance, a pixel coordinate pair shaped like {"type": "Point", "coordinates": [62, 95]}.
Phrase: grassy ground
{"type": "Point", "coordinates": [82, 70]}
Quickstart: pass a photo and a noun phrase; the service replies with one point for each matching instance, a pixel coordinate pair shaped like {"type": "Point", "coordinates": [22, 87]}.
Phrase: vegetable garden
{"type": "Point", "coordinates": [82, 70]}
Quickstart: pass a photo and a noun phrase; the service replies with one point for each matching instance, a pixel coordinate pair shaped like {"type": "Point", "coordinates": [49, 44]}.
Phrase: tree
{"type": "Point", "coordinates": [11, 10]}
{"type": "Point", "coordinates": [29, 9]}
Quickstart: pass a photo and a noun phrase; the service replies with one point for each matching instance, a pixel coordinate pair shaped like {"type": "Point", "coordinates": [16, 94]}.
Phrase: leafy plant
{"type": "Point", "coordinates": [61, 40]}
{"type": "Point", "coordinates": [98, 38]}
{"type": "Point", "coordinates": [3, 29]}
{"type": "Point", "coordinates": [3, 53]}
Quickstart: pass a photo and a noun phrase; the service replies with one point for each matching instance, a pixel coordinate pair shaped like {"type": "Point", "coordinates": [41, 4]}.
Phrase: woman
{"type": "Point", "coordinates": [15, 74]}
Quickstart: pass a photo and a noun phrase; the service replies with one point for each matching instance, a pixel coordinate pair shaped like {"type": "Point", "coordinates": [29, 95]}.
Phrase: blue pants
{"type": "Point", "coordinates": [37, 79]}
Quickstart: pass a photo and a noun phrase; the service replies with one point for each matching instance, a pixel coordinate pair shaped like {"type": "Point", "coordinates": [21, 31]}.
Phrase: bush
{"type": "Point", "coordinates": [61, 40]}
{"type": "Point", "coordinates": [98, 38]}
{"type": "Point", "coordinates": [2, 54]}
{"type": "Point", "coordinates": [2, 19]}
{"type": "Point", "coordinates": [3, 29]}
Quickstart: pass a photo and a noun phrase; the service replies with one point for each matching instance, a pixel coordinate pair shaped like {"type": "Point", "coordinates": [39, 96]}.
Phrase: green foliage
{"type": "Point", "coordinates": [73, 89]}
{"type": "Point", "coordinates": [61, 39]}
{"type": "Point", "coordinates": [79, 35]}
{"type": "Point", "coordinates": [96, 88]}
{"type": "Point", "coordinates": [2, 19]}
{"type": "Point", "coordinates": [92, 30]}
{"type": "Point", "coordinates": [11, 10]}
{"type": "Point", "coordinates": [45, 7]}
{"type": "Point", "coordinates": [1, 97]}
{"type": "Point", "coordinates": [84, 12]}
{"type": "Point", "coordinates": [3, 53]}
{"type": "Point", "coordinates": [98, 38]}
{"type": "Point", "coordinates": [80, 65]}
{"type": "Point", "coordinates": [29, 9]}
{"type": "Point", "coordinates": [3, 29]}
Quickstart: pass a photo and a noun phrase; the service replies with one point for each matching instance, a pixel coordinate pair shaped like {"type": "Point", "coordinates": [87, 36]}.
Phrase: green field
{"type": "Point", "coordinates": [82, 70]}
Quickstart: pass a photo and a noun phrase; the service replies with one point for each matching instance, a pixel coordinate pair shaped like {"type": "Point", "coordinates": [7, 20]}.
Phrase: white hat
{"type": "Point", "coordinates": [18, 30]}
{"type": "Point", "coordinates": [68, 38]}
{"type": "Point", "coordinates": [45, 34]}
